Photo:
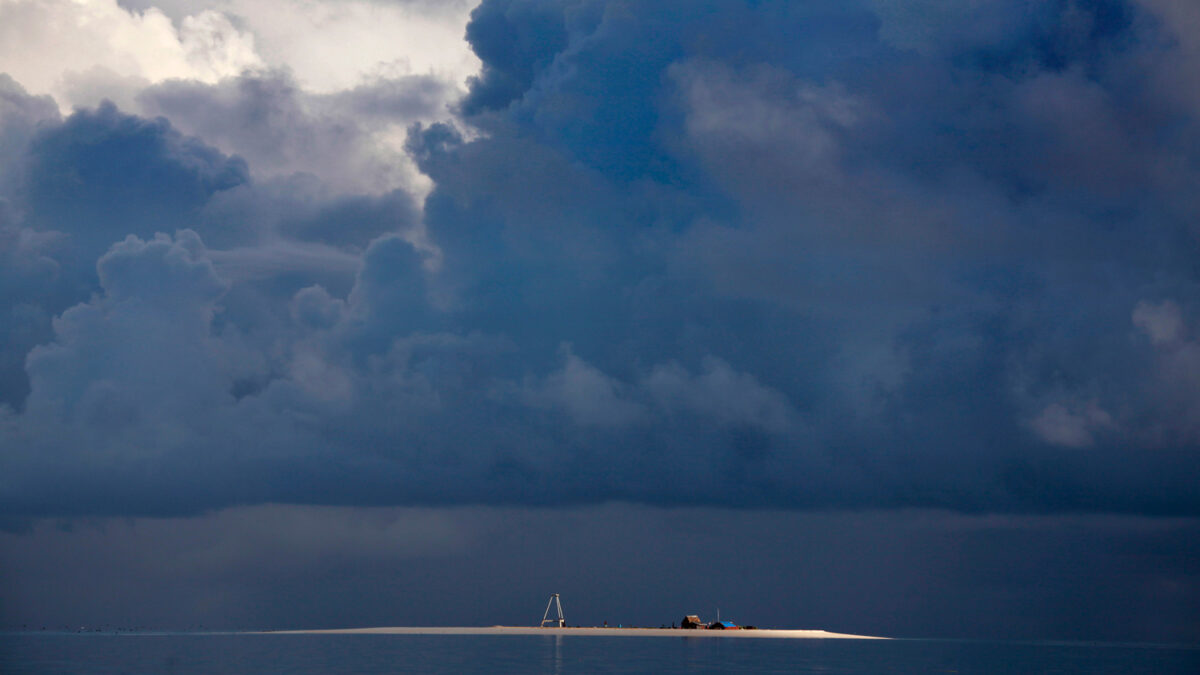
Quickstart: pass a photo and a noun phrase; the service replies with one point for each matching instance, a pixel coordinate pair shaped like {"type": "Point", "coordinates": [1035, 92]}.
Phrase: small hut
{"type": "Point", "coordinates": [691, 621]}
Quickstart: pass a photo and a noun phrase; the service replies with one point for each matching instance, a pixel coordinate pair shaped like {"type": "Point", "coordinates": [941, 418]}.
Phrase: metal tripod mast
{"type": "Point", "coordinates": [560, 621]}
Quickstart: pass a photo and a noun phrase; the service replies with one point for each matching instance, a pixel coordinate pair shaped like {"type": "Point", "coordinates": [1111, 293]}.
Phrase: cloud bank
{"type": "Point", "coordinates": [753, 254]}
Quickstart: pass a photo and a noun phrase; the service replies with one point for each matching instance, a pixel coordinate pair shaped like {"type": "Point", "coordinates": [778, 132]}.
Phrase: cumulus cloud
{"type": "Point", "coordinates": [103, 174]}
{"type": "Point", "coordinates": [144, 343]}
{"type": "Point", "coordinates": [88, 51]}
{"type": "Point", "coordinates": [803, 255]}
{"type": "Point", "coordinates": [28, 284]}
{"type": "Point", "coordinates": [332, 46]}
{"type": "Point", "coordinates": [321, 88]}
{"type": "Point", "coordinates": [20, 116]}
{"type": "Point", "coordinates": [77, 40]}
{"type": "Point", "coordinates": [351, 141]}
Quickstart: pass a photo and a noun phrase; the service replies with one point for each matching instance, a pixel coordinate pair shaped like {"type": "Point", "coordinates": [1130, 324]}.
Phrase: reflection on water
{"type": "Point", "coordinates": [199, 653]}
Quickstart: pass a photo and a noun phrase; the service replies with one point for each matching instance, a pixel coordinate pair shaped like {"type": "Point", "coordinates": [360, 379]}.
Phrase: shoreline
{"type": "Point", "coordinates": [594, 631]}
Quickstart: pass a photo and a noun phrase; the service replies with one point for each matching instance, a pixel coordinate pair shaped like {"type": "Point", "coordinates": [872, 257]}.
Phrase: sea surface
{"type": "Point", "coordinates": [213, 653]}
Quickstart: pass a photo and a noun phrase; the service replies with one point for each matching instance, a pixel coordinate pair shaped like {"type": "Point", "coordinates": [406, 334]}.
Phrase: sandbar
{"type": "Point", "coordinates": [767, 633]}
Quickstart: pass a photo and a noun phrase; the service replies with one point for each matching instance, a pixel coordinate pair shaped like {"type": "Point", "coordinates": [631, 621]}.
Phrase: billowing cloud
{"type": "Point", "coordinates": [102, 174]}
{"type": "Point", "coordinates": [769, 254]}
{"type": "Point", "coordinates": [352, 141]}
{"type": "Point", "coordinates": [333, 46]}
{"type": "Point", "coordinates": [95, 49]}
{"type": "Point", "coordinates": [144, 342]}
{"type": "Point", "coordinates": [98, 39]}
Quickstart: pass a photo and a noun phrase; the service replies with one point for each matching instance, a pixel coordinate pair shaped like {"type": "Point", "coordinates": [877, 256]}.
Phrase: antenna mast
{"type": "Point", "coordinates": [560, 621]}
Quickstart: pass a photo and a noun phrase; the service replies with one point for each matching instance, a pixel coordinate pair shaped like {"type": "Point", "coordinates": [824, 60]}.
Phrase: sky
{"type": "Point", "coordinates": [876, 316]}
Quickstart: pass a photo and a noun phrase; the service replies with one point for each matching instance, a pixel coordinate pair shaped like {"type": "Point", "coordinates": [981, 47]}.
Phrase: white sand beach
{"type": "Point", "coordinates": [583, 631]}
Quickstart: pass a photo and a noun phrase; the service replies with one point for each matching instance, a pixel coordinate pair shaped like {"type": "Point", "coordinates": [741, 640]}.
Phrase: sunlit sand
{"type": "Point", "coordinates": [593, 631]}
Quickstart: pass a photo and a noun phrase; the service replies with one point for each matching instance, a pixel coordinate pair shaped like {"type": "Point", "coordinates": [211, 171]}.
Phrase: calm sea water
{"type": "Point", "coordinates": [208, 654]}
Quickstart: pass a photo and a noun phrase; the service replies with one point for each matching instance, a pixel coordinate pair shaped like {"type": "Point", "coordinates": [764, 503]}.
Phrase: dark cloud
{"type": "Point", "coordinates": [514, 40]}
{"type": "Point", "coordinates": [71, 187]}
{"type": "Point", "coordinates": [760, 254]}
{"type": "Point", "coordinates": [281, 129]}
{"type": "Point", "coordinates": [913, 242]}
{"type": "Point", "coordinates": [103, 174]}
{"type": "Point", "coordinates": [20, 116]}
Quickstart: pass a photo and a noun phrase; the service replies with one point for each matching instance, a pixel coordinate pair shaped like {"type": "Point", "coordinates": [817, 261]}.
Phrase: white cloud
{"type": "Point", "coordinates": [82, 51]}
{"type": "Point", "coordinates": [331, 46]}
{"type": "Point", "coordinates": [48, 45]}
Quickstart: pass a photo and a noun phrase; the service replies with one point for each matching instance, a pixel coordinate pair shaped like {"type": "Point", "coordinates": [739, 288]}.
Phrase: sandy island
{"type": "Point", "coordinates": [594, 631]}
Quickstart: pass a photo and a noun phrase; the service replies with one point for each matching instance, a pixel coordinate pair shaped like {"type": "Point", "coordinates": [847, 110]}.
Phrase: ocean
{"type": "Point", "coordinates": [218, 653]}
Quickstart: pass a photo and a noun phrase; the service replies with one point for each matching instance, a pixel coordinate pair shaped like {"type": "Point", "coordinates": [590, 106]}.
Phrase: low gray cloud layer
{"type": "Point", "coordinates": [903, 574]}
{"type": "Point", "coordinates": [784, 255]}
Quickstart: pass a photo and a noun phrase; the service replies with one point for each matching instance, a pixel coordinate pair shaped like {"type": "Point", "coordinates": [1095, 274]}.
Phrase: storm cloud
{"type": "Point", "coordinates": [752, 254]}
